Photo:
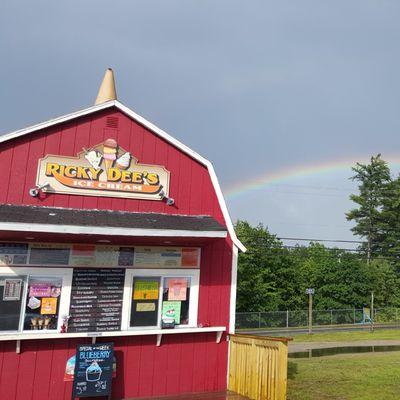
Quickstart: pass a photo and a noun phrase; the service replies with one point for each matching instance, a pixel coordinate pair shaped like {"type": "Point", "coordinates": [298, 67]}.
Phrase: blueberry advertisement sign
{"type": "Point", "coordinates": [93, 370]}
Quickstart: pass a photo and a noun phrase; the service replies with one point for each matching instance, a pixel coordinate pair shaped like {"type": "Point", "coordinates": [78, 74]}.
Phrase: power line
{"type": "Point", "coordinates": [320, 240]}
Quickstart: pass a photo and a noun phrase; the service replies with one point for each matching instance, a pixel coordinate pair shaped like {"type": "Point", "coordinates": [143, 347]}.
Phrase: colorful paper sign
{"type": "Point", "coordinates": [34, 303]}
{"type": "Point", "coordinates": [40, 290]}
{"type": "Point", "coordinates": [82, 254]}
{"type": "Point", "coordinates": [190, 257]}
{"type": "Point", "coordinates": [145, 290]}
{"type": "Point", "coordinates": [145, 307]}
{"type": "Point", "coordinates": [166, 257]}
{"type": "Point", "coordinates": [49, 305]}
{"type": "Point", "coordinates": [177, 288]}
{"type": "Point", "coordinates": [172, 309]}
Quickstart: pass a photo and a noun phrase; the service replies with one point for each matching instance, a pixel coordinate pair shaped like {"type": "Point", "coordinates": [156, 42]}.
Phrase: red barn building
{"type": "Point", "coordinates": [112, 231]}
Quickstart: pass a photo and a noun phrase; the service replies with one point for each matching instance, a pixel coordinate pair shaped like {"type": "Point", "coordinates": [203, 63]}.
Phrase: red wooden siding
{"type": "Point", "coordinates": [183, 363]}
{"type": "Point", "coordinates": [190, 186]}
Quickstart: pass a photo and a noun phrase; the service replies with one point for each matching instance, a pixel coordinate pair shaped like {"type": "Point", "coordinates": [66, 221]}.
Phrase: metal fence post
{"type": "Point", "coordinates": [354, 315]}
{"type": "Point", "coordinates": [287, 318]}
{"type": "Point", "coordinates": [259, 319]}
{"type": "Point", "coordinates": [331, 317]}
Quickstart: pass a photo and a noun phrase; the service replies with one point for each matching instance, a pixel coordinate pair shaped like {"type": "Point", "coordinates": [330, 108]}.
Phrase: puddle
{"type": "Point", "coordinates": [331, 351]}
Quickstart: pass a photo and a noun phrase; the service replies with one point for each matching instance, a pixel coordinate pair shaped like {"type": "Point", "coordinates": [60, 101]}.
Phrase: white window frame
{"type": "Point", "coordinates": [64, 273]}
{"type": "Point", "coordinates": [193, 274]}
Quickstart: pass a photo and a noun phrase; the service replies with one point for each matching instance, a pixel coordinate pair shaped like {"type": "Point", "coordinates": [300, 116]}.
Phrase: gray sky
{"type": "Point", "coordinates": [258, 87]}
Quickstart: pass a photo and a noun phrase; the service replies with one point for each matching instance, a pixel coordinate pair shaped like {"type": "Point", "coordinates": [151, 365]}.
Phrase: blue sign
{"type": "Point", "coordinates": [93, 370]}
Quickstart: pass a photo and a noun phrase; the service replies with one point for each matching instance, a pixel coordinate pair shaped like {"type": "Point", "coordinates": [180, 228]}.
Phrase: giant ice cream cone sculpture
{"type": "Point", "coordinates": [109, 152]}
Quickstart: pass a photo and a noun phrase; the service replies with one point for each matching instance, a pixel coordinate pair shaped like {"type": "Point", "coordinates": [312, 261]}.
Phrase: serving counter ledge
{"type": "Point", "coordinates": [219, 330]}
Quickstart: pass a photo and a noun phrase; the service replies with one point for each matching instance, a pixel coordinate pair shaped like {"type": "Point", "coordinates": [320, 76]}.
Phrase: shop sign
{"type": "Point", "coordinates": [104, 170]}
{"type": "Point", "coordinates": [93, 370]}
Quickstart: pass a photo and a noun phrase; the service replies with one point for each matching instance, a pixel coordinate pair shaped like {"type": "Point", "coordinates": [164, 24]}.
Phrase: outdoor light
{"type": "Point", "coordinates": [34, 192]}
{"type": "Point", "coordinates": [169, 200]}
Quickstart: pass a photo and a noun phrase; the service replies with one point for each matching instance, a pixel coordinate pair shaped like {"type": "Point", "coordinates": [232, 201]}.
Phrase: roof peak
{"type": "Point", "coordinates": [107, 90]}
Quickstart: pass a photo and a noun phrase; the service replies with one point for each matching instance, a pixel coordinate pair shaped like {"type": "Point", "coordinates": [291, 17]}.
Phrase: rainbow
{"type": "Point", "coordinates": [299, 171]}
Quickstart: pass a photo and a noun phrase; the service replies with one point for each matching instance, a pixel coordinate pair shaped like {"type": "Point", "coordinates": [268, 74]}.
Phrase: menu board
{"type": "Point", "coordinates": [82, 254]}
{"type": "Point", "coordinates": [13, 253]}
{"type": "Point", "coordinates": [49, 254]}
{"type": "Point", "coordinates": [12, 289]}
{"type": "Point", "coordinates": [90, 255]}
{"type": "Point", "coordinates": [166, 257]}
{"type": "Point", "coordinates": [96, 299]}
{"type": "Point", "coordinates": [93, 370]}
{"type": "Point", "coordinates": [126, 256]}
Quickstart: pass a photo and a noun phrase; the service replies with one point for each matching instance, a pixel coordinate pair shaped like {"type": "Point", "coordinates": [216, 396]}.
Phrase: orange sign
{"type": "Point", "coordinates": [49, 305]}
{"type": "Point", "coordinates": [104, 170]}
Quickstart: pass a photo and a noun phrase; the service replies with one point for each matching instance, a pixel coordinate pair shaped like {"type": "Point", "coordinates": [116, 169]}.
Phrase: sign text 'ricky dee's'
{"type": "Point", "coordinates": [104, 170]}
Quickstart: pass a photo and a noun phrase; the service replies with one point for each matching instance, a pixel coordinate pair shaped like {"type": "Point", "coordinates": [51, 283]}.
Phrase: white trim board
{"type": "Point", "coordinates": [107, 230]}
{"type": "Point", "coordinates": [154, 129]}
{"type": "Point", "coordinates": [141, 332]}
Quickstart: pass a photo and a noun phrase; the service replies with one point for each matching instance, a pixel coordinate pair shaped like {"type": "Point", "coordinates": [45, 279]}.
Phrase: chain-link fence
{"type": "Point", "coordinates": [299, 318]}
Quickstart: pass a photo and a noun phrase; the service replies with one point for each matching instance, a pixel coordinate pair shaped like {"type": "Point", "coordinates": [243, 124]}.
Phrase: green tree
{"type": "Point", "coordinates": [273, 277]}
{"type": "Point", "coordinates": [373, 178]}
{"type": "Point", "coordinates": [266, 277]}
{"type": "Point", "coordinates": [390, 222]}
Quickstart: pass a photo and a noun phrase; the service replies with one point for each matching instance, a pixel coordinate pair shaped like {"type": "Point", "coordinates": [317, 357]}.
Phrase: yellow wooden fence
{"type": "Point", "coordinates": [258, 366]}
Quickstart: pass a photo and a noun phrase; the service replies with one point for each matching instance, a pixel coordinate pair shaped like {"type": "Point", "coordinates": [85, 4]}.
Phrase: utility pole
{"type": "Point", "coordinates": [372, 312]}
{"type": "Point", "coordinates": [310, 293]}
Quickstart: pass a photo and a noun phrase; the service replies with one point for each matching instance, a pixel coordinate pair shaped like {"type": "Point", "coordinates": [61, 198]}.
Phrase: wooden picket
{"type": "Point", "coordinates": [258, 366]}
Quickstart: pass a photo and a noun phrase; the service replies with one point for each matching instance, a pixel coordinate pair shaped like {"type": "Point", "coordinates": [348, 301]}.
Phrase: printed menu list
{"type": "Point", "coordinates": [96, 299]}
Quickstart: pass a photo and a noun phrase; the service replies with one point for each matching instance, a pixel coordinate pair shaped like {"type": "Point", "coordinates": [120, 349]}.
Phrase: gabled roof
{"type": "Point", "coordinates": [153, 128]}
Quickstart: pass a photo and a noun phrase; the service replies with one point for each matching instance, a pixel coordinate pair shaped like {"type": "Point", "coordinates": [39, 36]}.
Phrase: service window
{"type": "Point", "coordinates": [161, 298]}
{"type": "Point", "coordinates": [33, 299]}
{"type": "Point", "coordinates": [42, 302]}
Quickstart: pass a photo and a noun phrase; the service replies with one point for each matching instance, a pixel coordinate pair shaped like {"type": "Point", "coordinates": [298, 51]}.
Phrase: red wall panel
{"type": "Point", "coordinates": [190, 185]}
{"type": "Point", "coordinates": [184, 362]}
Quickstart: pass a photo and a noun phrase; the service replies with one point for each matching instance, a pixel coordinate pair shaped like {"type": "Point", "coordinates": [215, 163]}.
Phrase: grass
{"type": "Point", "coordinates": [367, 376]}
{"type": "Point", "coordinates": [349, 336]}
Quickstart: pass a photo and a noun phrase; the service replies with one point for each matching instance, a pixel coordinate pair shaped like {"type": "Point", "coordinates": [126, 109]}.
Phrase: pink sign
{"type": "Point", "coordinates": [177, 288]}
{"type": "Point", "coordinates": [40, 290]}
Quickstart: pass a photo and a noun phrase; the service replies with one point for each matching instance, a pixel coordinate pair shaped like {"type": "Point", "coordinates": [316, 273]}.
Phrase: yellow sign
{"type": "Point", "coordinates": [49, 305]}
{"type": "Point", "coordinates": [145, 290]}
{"type": "Point", "coordinates": [104, 170]}
{"type": "Point", "coordinates": [145, 307]}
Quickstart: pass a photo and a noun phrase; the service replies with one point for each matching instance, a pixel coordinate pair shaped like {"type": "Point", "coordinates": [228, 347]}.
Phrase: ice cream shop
{"type": "Point", "coordinates": [118, 258]}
